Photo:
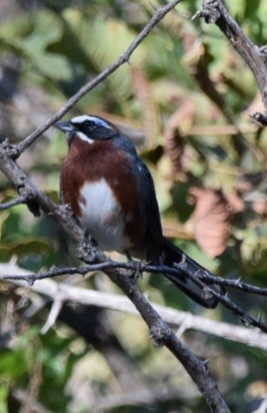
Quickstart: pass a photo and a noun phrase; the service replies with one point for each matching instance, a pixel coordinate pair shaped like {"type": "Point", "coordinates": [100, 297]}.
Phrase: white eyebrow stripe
{"type": "Point", "coordinates": [84, 137]}
{"type": "Point", "coordinates": [84, 118]}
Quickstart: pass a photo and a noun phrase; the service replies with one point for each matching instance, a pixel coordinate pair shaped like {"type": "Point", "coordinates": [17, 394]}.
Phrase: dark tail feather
{"type": "Point", "coordinates": [173, 254]}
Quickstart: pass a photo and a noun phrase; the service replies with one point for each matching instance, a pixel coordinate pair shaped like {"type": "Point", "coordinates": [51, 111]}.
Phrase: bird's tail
{"type": "Point", "coordinates": [173, 254]}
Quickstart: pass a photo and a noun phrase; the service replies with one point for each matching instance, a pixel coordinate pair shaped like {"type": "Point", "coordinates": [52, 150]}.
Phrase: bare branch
{"type": "Point", "coordinates": [134, 266]}
{"type": "Point", "coordinates": [214, 11]}
{"type": "Point", "coordinates": [224, 299]}
{"type": "Point", "coordinates": [233, 283]}
{"type": "Point", "coordinates": [87, 252]}
{"type": "Point", "coordinates": [125, 57]}
{"type": "Point", "coordinates": [10, 204]}
{"type": "Point", "coordinates": [160, 332]}
{"type": "Point", "coordinates": [26, 188]}
{"type": "Point", "coordinates": [63, 292]}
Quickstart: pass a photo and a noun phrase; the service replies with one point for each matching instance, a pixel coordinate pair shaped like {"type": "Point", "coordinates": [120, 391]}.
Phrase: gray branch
{"type": "Point", "coordinates": [185, 321]}
{"type": "Point", "coordinates": [124, 58]}
{"type": "Point", "coordinates": [214, 11]}
{"type": "Point", "coordinates": [160, 331]}
{"type": "Point", "coordinates": [17, 201]}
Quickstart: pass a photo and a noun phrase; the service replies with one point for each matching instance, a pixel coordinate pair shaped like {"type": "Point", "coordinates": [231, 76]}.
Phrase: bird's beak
{"type": "Point", "coordinates": [64, 126]}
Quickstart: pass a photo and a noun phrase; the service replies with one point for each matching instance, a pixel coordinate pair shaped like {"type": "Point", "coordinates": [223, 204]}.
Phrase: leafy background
{"type": "Point", "coordinates": [185, 99]}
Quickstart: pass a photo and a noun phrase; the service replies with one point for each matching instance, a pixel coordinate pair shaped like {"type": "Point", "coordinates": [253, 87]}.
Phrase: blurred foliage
{"type": "Point", "coordinates": [188, 96]}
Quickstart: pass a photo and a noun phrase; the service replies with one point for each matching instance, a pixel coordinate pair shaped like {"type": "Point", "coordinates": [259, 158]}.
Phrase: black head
{"type": "Point", "coordinates": [88, 128]}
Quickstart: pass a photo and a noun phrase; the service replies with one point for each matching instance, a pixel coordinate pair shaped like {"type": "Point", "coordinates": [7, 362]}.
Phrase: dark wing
{"type": "Point", "coordinates": [158, 249]}
{"type": "Point", "coordinates": [153, 237]}
{"type": "Point", "coordinates": [153, 234]}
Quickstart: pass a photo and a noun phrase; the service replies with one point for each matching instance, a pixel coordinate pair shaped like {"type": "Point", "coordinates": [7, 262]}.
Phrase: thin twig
{"type": "Point", "coordinates": [214, 11]}
{"type": "Point", "coordinates": [233, 283]}
{"type": "Point", "coordinates": [110, 301]}
{"type": "Point", "coordinates": [10, 204]}
{"type": "Point", "coordinates": [125, 57]}
{"type": "Point", "coordinates": [134, 266]}
{"type": "Point", "coordinates": [160, 332]}
{"type": "Point", "coordinates": [224, 299]}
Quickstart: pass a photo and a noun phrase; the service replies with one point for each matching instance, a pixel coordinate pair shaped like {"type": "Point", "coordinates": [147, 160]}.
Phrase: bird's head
{"type": "Point", "coordinates": [88, 128]}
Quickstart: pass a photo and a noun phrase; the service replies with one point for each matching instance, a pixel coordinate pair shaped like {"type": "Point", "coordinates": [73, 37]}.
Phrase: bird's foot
{"type": "Point", "coordinates": [139, 268]}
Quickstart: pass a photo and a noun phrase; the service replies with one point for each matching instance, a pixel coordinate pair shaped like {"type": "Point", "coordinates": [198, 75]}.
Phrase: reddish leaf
{"type": "Point", "coordinates": [180, 154]}
{"type": "Point", "coordinates": [210, 220]}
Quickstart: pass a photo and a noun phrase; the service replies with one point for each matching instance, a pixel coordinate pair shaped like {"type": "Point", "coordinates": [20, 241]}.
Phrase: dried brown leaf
{"type": "Point", "coordinates": [210, 220]}
{"type": "Point", "coordinates": [174, 142]}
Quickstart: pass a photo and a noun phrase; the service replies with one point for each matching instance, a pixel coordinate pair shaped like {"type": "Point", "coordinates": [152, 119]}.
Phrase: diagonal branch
{"type": "Point", "coordinates": [125, 57]}
{"type": "Point", "coordinates": [224, 299]}
{"type": "Point", "coordinates": [214, 11]}
{"type": "Point", "coordinates": [160, 332]}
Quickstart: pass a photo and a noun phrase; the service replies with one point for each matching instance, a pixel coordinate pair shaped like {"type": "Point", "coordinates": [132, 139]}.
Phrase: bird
{"type": "Point", "coordinates": [112, 196]}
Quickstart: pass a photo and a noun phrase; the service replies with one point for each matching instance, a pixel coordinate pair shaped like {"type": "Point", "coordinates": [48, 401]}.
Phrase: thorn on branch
{"type": "Point", "coordinates": [239, 282]}
{"type": "Point", "coordinates": [31, 280]}
{"type": "Point", "coordinates": [206, 363]}
{"type": "Point", "coordinates": [246, 321]}
{"type": "Point", "coordinates": [53, 269]}
{"type": "Point", "coordinates": [259, 318]}
{"type": "Point", "coordinates": [207, 293]}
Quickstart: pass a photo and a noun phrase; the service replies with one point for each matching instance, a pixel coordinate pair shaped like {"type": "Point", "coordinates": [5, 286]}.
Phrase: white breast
{"type": "Point", "coordinates": [101, 216]}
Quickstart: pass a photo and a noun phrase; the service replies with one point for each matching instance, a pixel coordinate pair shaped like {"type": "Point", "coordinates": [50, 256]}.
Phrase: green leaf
{"type": "Point", "coordinates": [12, 363]}
{"type": "Point", "coordinates": [3, 217]}
{"type": "Point", "coordinates": [29, 246]}
{"type": "Point", "coordinates": [3, 398]}
{"type": "Point", "coordinates": [102, 42]}
{"type": "Point", "coordinates": [251, 8]}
